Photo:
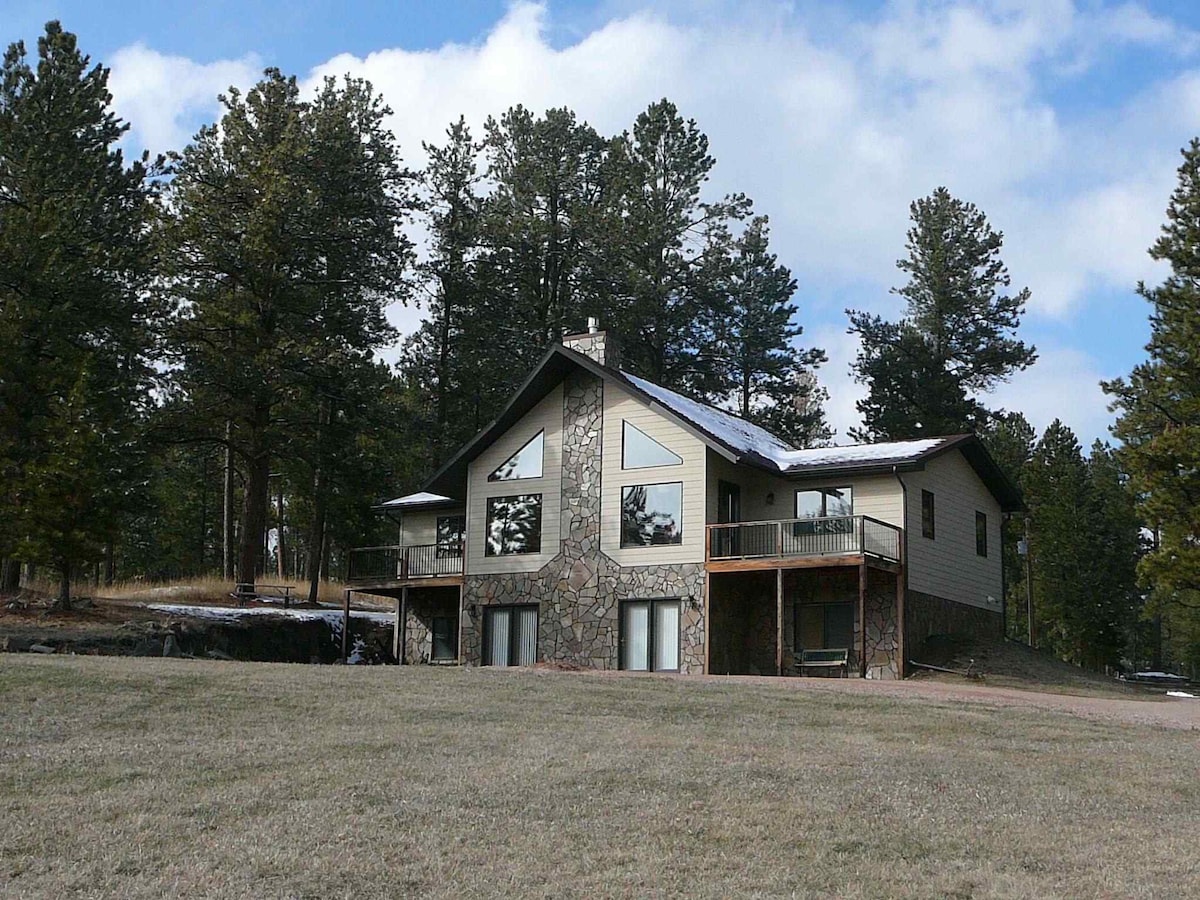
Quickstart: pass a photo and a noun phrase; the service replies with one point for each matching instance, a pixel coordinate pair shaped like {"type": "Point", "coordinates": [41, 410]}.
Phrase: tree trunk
{"type": "Point", "coordinates": [227, 522]}
{"type": "Point", "coordinates": [10, 576]}
{"type": "Point", "coordinates": [279, 546]}
{"type": "Point", "coordinates": [254, 509]}
{"type": "Point", "coordinates": [316, 541]}
{"type": "Point", "coordinates": [110, 563]}
{"type": "Point", "coordinates": [64, 585]}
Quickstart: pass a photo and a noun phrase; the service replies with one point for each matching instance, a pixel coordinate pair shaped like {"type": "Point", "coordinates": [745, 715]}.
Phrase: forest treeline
{"type": "Point", "coordinates": [190, 345]}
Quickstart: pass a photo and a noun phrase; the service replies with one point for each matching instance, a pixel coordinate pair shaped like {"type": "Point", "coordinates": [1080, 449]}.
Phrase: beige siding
{"type": "Point", "coordinates": [621, 407]}
{"type": "Point", "coordinates": [948, 566]}
{"type": "Point", "coordinates": [548, 416]}
{"type": "Point", "coordinates": [419, 528]}
{"type": "Point", "coordinates": [878, 496]}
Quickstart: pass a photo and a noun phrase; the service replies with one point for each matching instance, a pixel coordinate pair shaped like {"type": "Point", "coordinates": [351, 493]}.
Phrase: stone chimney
{"type": "Point", "coordinates": [596, 344]}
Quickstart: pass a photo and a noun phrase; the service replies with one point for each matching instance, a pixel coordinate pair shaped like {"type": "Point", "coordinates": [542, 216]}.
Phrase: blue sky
{"type": "Point", "coordinates": [1062, 120]}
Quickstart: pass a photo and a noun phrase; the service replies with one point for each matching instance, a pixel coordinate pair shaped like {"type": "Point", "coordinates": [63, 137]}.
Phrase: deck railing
{"type": "Point", "coordinates": [400, 563]}
{"type": "Point", "coordinates": [833, 536]}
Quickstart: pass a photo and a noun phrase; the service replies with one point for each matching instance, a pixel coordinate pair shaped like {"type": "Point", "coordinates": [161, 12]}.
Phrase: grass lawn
{"type": "Point", "coordinates": [149, 777]}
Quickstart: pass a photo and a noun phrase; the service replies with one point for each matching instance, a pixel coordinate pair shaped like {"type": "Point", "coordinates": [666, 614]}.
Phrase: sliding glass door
{"type": "Point", "coordinates": [510, 636]}
{"type": "Point", "coordinates": [650, 635]}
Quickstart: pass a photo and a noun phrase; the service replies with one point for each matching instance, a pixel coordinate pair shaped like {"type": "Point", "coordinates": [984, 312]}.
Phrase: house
{"type": "Point", "coordinates": [607, 522]}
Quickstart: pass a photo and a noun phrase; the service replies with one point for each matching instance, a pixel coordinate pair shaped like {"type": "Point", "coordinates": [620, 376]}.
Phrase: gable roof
{"type": "Point", "coordinates": [731, 436]}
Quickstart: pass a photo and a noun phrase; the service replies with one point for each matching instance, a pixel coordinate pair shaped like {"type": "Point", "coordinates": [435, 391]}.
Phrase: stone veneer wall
{"type": "Point", "coordinates": [579, 591]}
{"type": "Point", "coordinates": [925, 615]}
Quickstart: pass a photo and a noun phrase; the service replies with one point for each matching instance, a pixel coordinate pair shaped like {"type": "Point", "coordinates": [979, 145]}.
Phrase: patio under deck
{"type": "Point", "coordinates": [840, 542]}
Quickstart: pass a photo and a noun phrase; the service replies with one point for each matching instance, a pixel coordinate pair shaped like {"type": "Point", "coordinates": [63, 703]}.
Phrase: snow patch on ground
{"type": "Point", "coordinates": [1181, 694]}
{"type": "Point", "coordinates": [233, 614]}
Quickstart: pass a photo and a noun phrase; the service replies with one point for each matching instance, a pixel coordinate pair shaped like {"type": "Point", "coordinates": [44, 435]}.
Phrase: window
{"type": "Point", "coordinates": [651, 514]}
{"type": "Point", "coordinates": [525, 463]}
{"type": "Point", "coordinates": [981, 533]}
{"type": "Point", "coordinates": [445, 641]}
{"type": "Point", "coordinates": [450, 534]}
{"type": "Point", "coordinates": [824, 626]}
{"type": "Point", "coordinates": [514, 525]}
{"type": "Point", "coordinates": [650, 635]}
{"type": "Point", "coordinates": [833, 503]}
{"type": "Point", "coordinates": [510, 635]}
{"type": "Point", "coordinates": [825, 502]}
{"type": "Point", "coordinates": [640, 451]}
{"type": "Point", "coordinates": [927, 514]}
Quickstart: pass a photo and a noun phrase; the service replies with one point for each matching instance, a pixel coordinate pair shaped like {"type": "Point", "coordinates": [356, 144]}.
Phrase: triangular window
{"type": "Point", "coordinates": [640, 451]}
{"type": "Point", "coordinates": [525, 463]}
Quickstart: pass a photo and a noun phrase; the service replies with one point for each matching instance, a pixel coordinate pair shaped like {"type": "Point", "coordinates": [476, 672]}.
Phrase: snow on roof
{"type": "Point", "coordinates": [726, 427]}
{"type": "Point", "coordinates": [860, 454]}
{"type": "Point", "coordinates": [745, 437]}
{"type": "Point", "coordinates": [421, 498]}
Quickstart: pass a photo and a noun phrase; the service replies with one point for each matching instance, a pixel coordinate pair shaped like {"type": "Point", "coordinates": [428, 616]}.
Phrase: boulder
{"type": "Point", "coordinates": [171, 646]}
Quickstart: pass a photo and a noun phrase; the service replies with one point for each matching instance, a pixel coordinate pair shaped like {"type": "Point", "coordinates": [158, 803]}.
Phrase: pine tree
{"type": "Point", "coordinates": [1158, 421]}
{"type": "Point", "coordinates": [1056, 489]}
{"type": "Point", "coordinates": [284, 242]}
{"type": "Point", "coordinates": [76, 323]}
{"type": "Point", "coordinates": [1011, 439]}
{"type": "Point", "coordinates": [957, 337]}
{"type": "Point", "coordinates": [756, 361]}
{"type": "Point", "coordinates": [434, 357]}
{"type": "Point", "coordinates": [669, 258]}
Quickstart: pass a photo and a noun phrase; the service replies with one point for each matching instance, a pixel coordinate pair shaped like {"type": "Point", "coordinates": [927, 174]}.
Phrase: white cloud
{"type": "Point", "coordinates": [833, 126]}
{"type": "Point", "coordinates": [165, 98]}
{"type": "Point", "coordinates": [1063, 384]}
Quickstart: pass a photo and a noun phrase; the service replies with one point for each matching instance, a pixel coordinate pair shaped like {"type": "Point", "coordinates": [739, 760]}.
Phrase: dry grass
{"type": "Point", "coordinates": [199, 589]}
{"type": "Point", "coordinates": [148, 778]}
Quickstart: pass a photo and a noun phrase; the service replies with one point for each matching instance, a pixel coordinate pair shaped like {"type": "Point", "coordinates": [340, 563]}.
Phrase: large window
{"type": "Point", "coordinates": [640, 451]}
{"type": "Point", "coordinates": [445, 640]}
{"type": "Point", "coordinates": [927, 523]}
{"type": "Point", "coordinates": [651, 514]}
{"type": "Point", "coordinates": [822, 503]}
{"type": "Point", "coordinates": [450, 534]}
{"type": "Point", "coordinates": [650, 635]}
{"type": "Point", "coordinates": [514, 525]}
{"type": "Point", "coordinates": [510, 635]}
{"type": "Point", "coordinates": [525, 463]}
{"type": "Point", "coordinates": [981, 533]}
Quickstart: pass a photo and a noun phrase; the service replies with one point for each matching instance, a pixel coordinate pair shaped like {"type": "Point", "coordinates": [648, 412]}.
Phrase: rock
{"type": "Point", "coordinates": [40, 648]}
{"type": "Point", "coordinates": [218, 654]}
{"type": "Point", "coordinates": [171, 647]}
{"type": "Point", "coordinates": [148, 647]}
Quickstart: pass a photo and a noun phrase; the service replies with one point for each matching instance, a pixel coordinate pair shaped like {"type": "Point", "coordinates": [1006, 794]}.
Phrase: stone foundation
{"type": "Point", "coordinates": [926, 614]}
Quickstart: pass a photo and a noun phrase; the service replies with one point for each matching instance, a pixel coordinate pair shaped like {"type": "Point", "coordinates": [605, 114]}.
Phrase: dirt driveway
{"type": "Point", "coordinates": [1169, 712]}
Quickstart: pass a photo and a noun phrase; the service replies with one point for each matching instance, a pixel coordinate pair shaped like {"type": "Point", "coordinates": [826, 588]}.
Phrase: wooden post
{"type": "Point", "coordinates": [862, 619]}
{"type": "Point", "coordinates": [901, 624]}
{"type": "Point", "coordinates": [403, 622]}
{"type": "Point", "coordinates": [345, 625]}
{"type": "Point", "coordinates": [779, 620]}
{"type": "Point", "coordinates": [397, 640]}
{"type": "Point", "coordinates": [708, 619]}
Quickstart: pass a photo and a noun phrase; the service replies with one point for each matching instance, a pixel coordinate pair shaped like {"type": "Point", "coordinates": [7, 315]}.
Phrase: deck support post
{"type": "Point", "coordinates": [345, 625]}
{"type": "Point", "coordinates": [708, 619]}
{"type": "Point", "coordinates": [779, 621]}
{"type": "Point", "coordinates": [901, 626]}
{"type": "Point", "coordinates": [862, 620]}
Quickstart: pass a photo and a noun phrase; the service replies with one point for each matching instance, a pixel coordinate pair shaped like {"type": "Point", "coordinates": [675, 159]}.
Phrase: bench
{"type": "Point", "coordinates": [824, 659]}
{"type": "Point", "coordinates": [244, 591]}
